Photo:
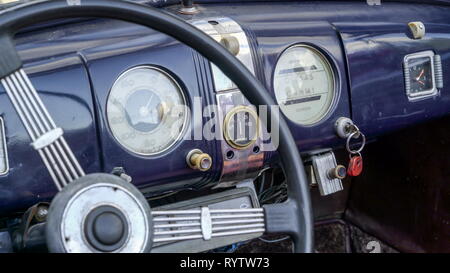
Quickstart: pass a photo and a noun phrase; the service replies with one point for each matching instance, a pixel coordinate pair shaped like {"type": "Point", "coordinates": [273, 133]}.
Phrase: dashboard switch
{"type": "Point", "coordinates": [198, 160]}
{"type": "Point", "coordinates": [338, 172]}
{"type": "Point", "coordinates": [327, 173]}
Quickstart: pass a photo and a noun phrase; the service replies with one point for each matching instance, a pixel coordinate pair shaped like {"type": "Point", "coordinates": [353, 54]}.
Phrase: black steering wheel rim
{"type": "Point", "coordinates": [295, 215]}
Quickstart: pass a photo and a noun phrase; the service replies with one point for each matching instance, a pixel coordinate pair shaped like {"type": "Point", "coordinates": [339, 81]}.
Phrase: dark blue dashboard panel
{"type": "Point", "coordinates": [375, 55]}
{"type": "Point", "coordinates": [106, 63]}
{"type": "Point", "coordinates": [74, 65]}
{"type": "Point", "coordinates": [273, 39]}
{"type": "Point", "coordinates": [367, 44]}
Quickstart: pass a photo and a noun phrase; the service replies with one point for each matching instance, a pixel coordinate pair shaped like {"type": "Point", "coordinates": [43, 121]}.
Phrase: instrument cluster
{"type": "Point", "coordinates": [147, 110]}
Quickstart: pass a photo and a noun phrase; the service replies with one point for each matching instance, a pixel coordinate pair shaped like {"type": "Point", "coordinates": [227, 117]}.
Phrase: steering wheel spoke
{"type": "Point", "coordinates": [285, 218]}
{"type": "Point", "coordinates": [46, 138]}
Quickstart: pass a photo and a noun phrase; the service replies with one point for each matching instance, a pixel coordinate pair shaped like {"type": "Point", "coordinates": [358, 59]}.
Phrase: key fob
{"type": "Point", "coordinates": [355, 166]}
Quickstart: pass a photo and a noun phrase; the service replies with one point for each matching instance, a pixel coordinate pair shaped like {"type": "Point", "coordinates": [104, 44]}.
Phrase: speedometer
{"type": "Point", "coordinates": [304, 84]}
{"type": "Point", "coordinates": [146, 110]}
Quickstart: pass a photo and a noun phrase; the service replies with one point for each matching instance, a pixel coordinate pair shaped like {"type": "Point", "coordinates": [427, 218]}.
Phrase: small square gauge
{"type": "Point", "coordinates": [419, 75]}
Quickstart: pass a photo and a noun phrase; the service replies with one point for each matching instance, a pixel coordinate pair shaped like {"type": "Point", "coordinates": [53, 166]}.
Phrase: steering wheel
{"type": "Point", "coordinates": [293, 217]}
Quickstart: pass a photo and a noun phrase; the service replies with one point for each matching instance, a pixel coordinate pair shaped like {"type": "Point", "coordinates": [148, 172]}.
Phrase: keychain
{"type": "Point", "coordinates": [355, 165]}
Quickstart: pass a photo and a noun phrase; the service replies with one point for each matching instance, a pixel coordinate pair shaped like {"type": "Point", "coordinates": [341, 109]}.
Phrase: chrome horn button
{"type": "Point", "coordinates": [99, 213]}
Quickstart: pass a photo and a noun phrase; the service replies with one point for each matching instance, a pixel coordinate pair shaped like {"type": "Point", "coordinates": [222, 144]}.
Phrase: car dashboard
{"type": "Point", "coordinates": [102, 80]}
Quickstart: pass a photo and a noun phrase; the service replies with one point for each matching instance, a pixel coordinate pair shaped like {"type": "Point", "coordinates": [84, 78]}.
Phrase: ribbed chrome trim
{"type": "Point", "coordinates": [57, 156]}
{"type": "Point", "coordinates": [5, 148]}
{"type": "Point", "coordinates": [406, 77]}
{"type": "Point", "coordinates": [322, 164]}
{"type": "Point", "coordinates": [178, 225]}
{"type": "Point", "coordinates": [438, 72]}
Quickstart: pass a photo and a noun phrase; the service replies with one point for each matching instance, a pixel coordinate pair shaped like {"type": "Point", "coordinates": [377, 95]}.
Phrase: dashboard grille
{"type": "Point", "coordinates": [178, 225]}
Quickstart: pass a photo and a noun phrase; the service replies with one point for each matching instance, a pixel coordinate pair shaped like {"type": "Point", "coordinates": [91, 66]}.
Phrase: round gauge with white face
{"type": "Point", "coordinates": [146, 110]}
{"type": "Point", "coordinates": [304, 85]}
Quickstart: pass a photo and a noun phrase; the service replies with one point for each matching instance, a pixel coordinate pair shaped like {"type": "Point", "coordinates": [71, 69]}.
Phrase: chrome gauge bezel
{"type": "Point", "coordinates": [335, 80]}
{"type": "Point", "coordinates": [425, 93]}
{"type": "Point", "coordinates": [180, 90]}
{"type": "Point", "coordinates": [226, 124]}
{"type": "Point", "coordinates": [5, 148]}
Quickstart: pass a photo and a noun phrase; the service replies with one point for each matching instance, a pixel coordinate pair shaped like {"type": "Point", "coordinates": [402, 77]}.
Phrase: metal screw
{"type": "Point", "coordinates": [41, 213]}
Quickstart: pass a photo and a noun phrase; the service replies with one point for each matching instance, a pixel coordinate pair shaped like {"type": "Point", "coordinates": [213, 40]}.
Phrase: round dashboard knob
{"type": "Point", "coordinates": [198, 160]}
{"type": "Point", "coordinates": [338, 172]}
{"type": "Point", "coordinates": [231, 43]}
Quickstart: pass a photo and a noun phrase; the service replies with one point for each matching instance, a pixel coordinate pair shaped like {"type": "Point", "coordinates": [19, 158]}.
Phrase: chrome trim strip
{"type": "Point", "coordinates": [177, 225]}
{"type": "Point", "coordinates": [219, 28]}
{"type": "Point", "coordinates": [179, 238]}
{"type": "Point", "coordinates": [28, 129]}
{"type": "Point", "coordinates": [439, 77]}
{"type": "Point", "coordinates": [180, 231]}
{"type": "Point", "coordinates": [196, 211]}
{"type": "Point", "coordinates": [203, 224]}
{"type": "Point", "coordinates": [46, 116]}
{"type": "Point", "coordinates": [58, 158]}
{"type": "Point", "coordinates": [5, 148]}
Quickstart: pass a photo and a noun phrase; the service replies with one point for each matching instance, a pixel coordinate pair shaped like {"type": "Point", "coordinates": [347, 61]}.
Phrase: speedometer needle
{"type": "Point", "coordinates": [148, 103]}
{"type": "Point", "coordinates": [420, 75]}
{"type": "Point", "coordinates": [145, 110]}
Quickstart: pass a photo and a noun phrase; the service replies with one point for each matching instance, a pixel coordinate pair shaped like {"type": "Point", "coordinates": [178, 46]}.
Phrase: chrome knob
{"type": "Point", "coordinates": [337, 172]}
{"type": "Point", "coordinates": [231, 43]}
{"type": "Point", "coordinates": [198, 160]}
